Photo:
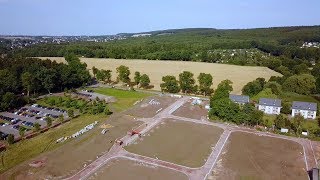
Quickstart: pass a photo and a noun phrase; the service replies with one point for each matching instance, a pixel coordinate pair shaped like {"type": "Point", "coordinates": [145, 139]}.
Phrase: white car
{"type": "Point", "coordinates": [5, 124]}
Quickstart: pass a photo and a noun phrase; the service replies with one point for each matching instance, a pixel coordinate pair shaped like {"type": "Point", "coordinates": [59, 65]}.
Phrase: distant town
{"type": "Point", "coordinates": [14, 42]}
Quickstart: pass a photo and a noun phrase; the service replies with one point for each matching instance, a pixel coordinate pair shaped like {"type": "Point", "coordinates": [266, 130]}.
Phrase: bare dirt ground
{"type": "Point", "coordinates": [178, 142]}
{"type": "Point", "coordinates": [73, 156]}
{"type": "Point", "coordinates": [126, 169]}
{"type": "Point", "coordinates": [248, 156]}
{"type": "Point", "coordinates": [239, 75]}
{"type": "Point", "coordinates": [151, 106]}
{"type": "Point", "coordinates": [192, 111]}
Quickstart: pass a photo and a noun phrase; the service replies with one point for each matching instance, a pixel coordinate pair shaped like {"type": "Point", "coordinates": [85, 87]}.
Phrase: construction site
{"type": "Point", "coordinates": [175, 140]}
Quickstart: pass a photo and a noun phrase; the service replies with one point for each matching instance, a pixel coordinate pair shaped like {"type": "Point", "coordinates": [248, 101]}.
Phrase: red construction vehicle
{"type": "Point", "coordinates": [133, 132]}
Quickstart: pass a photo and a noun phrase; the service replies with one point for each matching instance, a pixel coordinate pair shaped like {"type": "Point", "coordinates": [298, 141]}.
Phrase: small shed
{"type": "Point", "coordinates": [284, 130]}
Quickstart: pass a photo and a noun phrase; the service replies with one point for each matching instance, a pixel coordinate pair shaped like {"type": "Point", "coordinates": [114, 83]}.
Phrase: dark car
{"type": "Point", "coordinates": [16, 127]}
{"type": "Point", "coordinates": [3, 136]}
{"type": "Point", "coordinates": [15, 121]}
{"type": "Point", "coordinates": [30, 124]}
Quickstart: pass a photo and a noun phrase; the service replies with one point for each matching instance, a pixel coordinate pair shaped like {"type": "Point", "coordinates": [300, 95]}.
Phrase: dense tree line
{"type": "Point", "coordinates": [28, 76]}
{"type": "Point", "coordinates": [193, 45]}
{"type": "Point", "coordinates": [226, 110]}
{"type": "Point", "coordinates": [187, 84]}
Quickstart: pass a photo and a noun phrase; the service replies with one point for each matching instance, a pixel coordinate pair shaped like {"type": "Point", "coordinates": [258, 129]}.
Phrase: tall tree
{"type": "Point", "coordinates": [94, 71]}
{"type": "Point", "coordinates": [186, 82]}
{"type": "Point", "coordinates": [47, 78]}
{"type": "Point", "coordinates": [318, 85]}
{"type": "Point", "coordinates": [137, 77]}
{"type": "Point", "coordinates": [205, 83]}
{"type": "Point", "coordinates": [297, 124]}
{"type": "Point", "coordinates": [27, 82]}
{"type": "Point", "coordinates": [301, 69]}
{"type": "Point", "coordinates": [123, 74]}
{"type": "Point", "coordinates": [8, 81]}
{"type": "Point", "coordinates": [224, 109]}
{"type": "Point", "coordinates": [144, 81]}
{"type": "Point", "coordinates": [254, 87]}
{"type": "Point", "coordinates": [301, 84]}
{"type": "Point", "coordinates": [279, 122]}
{"type": "Point", "coordinates": [223, 90]}
{"type": "Point", "coordinates": [108, 76]}
{"type": "Point", "coordinates": [170, 84]}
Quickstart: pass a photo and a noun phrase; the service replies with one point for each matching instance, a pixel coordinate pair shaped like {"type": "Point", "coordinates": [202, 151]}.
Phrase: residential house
{"type": "Point", "coordinates": [239, 99]}
{"type": "Point", "coordinates": [269, 106]}
{"type": "Point", "coordinates": [306, 109]}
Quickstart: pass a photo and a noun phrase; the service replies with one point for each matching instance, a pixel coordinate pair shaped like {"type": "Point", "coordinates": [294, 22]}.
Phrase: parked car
{"type": "Point", "coordinates": [3, 136]}
{"type": "Point", "coordinates": [15, 121]}
{"type": "Point", "coordinates": [16, 127]}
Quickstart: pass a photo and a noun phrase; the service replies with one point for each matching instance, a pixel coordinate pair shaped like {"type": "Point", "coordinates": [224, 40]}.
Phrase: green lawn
{"type": "Point", "coordinates": [125, 99]}
{"type": "Point", "coordinates": [289, 96]}
{"type": "Point", "coordinates": [284, 96]}
{"type": "Point", "coordinates": [26, 149]}
{"type": "Point", "coordinates": [266, 93]}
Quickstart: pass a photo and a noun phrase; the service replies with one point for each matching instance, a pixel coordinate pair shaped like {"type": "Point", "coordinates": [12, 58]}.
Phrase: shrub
{"type": "Point", "coordinates": [10, 139]}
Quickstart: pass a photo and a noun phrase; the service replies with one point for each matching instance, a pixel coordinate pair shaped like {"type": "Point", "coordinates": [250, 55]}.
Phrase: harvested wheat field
{"type": "Point", "coordinates": [182, 143]}
{"type": "Point", "coordinates": [126, 169]}
{"type": "Point", "coordinates": [156, 69]}
{"type": "Point", "coordinates": [249, 156]}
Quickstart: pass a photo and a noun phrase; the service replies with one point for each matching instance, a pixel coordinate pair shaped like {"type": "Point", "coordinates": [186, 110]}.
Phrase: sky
{"type": "Point", "coordinates": [106, 17]}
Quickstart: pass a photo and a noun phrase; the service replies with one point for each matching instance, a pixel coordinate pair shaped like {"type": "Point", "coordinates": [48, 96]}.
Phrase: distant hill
{"type": "Point", "coordinates": [303, 33]}
{"type": "Point", "coordinates": [195, 44]}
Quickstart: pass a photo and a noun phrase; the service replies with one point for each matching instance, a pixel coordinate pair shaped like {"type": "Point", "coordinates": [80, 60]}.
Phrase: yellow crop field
{"type": "Point", "coordinates": [156, 69]}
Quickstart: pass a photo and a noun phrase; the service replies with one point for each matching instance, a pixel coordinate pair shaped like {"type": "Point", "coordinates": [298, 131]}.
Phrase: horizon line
{"type": "Point", "coordinates": [162, 30]}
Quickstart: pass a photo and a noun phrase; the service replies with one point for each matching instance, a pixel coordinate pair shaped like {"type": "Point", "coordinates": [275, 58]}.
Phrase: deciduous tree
{"type": "Point", "coordinates": [170, 84]}
{"type": "Point", "coordinates": [123, 74]}
{"type": "Point", "coordinates": [144, 81]}
{"type": "Point", "coordinates": [301, 84]}
{"type": "Point", "coordinates": [137, 77]}
{"type": "Point", "coordinates": [223, 90]}
{"type": "Point", "coordinates": [27, 82]}
{"type": "Point", "coordinates": [205, 83]}
{"type": "Point", "coordinates": [186, 81]}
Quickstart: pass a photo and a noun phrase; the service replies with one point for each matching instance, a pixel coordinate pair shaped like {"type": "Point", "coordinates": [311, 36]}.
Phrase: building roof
{"type": "Point", "coordinates": [304, 105]}
{"type": "Point", "coordinates": [239, 98]}
{"type": "Point", "coordinates": [270, 102]}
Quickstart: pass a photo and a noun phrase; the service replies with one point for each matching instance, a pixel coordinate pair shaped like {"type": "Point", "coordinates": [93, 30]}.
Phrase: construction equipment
{"type": "Point", "coordinates": [133, 132]}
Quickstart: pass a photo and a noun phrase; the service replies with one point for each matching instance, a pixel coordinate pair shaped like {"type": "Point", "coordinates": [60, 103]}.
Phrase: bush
{"type": "Point", "coordinates": [49, 121]}
{"type": "Point", "coordinates": [61, 118]}
{"type": "Point", "coordinates": [70, 113]}
{"type": "Point", "coordinates": [286, 107]}
{"type": "Point", "coordinates": [10, 139]}
{"type": "Point", "coordinates": [36, 127]}
{"type": "Point", "coordinates": [107, 111]}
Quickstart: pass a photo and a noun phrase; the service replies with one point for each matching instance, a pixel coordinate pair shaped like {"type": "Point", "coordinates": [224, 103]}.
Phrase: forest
{"type": "Point", "coordinates": [23, 78]}
{"type": "Point", "coordinates": [193, 45]}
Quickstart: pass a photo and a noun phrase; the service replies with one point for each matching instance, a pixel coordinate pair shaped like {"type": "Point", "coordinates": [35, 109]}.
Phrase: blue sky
{"type": "Point", "coordinates": [101, 17]}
